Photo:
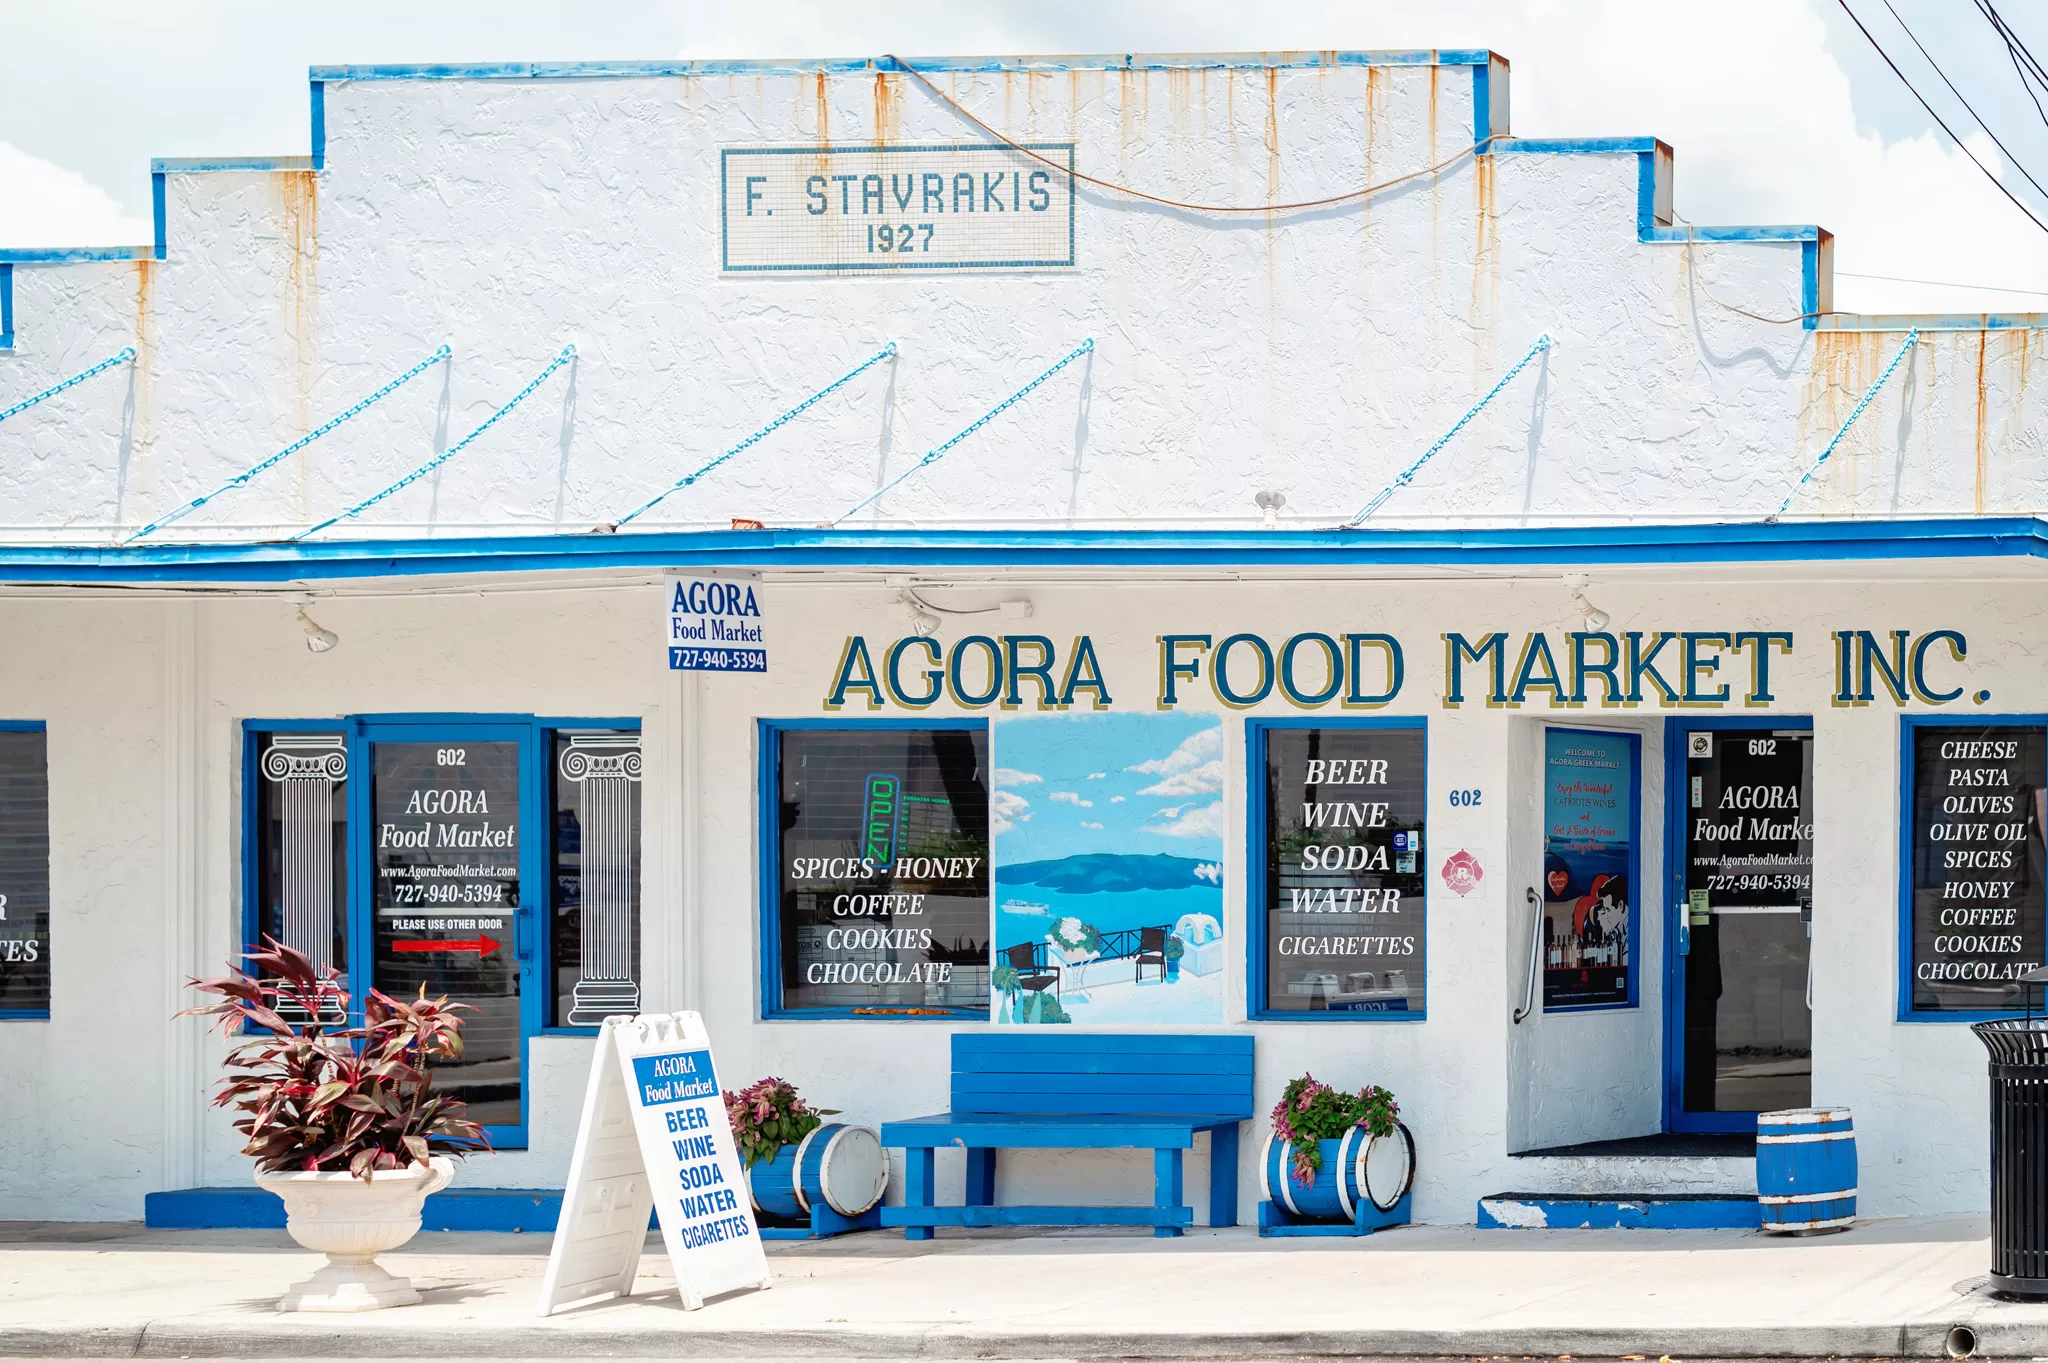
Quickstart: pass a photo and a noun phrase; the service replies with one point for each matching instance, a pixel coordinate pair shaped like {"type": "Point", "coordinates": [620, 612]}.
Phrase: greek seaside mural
{"type": "Point", "coordinates": [1108, 858]}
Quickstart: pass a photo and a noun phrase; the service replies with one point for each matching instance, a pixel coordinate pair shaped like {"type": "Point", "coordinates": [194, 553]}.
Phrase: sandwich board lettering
{"type": "Point", "coordinates": [654, 1136]}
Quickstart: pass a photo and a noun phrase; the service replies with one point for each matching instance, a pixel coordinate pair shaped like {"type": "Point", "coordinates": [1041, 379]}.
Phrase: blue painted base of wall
{"type": "Point", "coordinates": [824, 1223]}
{"type": "Point", "coordinates": [251, 1208]}
{"type": "Point", "coordinates": [1277, 1221]}
{"type": "Point", "coordinates": [1623, 1211]}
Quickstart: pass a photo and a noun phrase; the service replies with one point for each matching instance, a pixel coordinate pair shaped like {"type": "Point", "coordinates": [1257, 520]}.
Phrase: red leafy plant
{"type": "Point", "coordinates": [1310, 1111]}
{"type": "Point", "coordinates": [767, 1115]}
{"type": "Point", "coordinates": [320, 1098]}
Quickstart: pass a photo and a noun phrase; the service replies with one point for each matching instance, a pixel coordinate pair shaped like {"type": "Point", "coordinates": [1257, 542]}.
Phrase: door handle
{"type": "Point", "coordinates": [1684, 928]}
{"type": "Point", "coordinates": [1535, 954]}
{"type": "Point", "coordinates": [522, 935]}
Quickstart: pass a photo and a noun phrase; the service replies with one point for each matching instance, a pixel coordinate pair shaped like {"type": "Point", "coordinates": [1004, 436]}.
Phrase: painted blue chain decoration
{"type": "Point", "coordinates": [1542, 344]}
{"type": "Point", "coordinates": [568, 353]}
{"type": "Point", "coordinates": [1912, 339]}
{"type": "Point", "coordinates": [440, 353]}
{"type": "Point", "coordinates": [1076, 353]}
{"type": "Point", "coordinates": [886, 352]}
{"type": "Point", "coordinates": [127, 354]}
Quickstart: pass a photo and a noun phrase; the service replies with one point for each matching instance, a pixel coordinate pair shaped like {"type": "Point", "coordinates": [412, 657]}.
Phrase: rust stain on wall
{"type": "Point", "coordinates": [823, 104]}
{"type": "Point", "coordinates": [1983, 403]}
{"type": "Point", "coordinates": [145, 344]}
{"type": "Point", "coordinates": [1272, 134]}
{"type": "Point", "coordinates": [888, 109]}
{"type": "Point", "coordinates": [299, 220]}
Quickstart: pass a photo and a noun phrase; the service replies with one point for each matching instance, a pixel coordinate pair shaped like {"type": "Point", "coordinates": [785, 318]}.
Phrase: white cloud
{"type": "Point", "coordinates": [1203, 780]}
{"type": "Point", "coordinates": [1169, 812]}
{"type": "Point", "coordinates": [1195, 749]}
{"type": "Point", "coordinates": [1116, 799]}
{"type": "Point", "coordinates": [43, 204]}
{"type": "Point", "coordinates": [1090, 823]}
{"type": "Point", "coordinates": [1067, 797]}
{"type": "Point", "coordinates": [1006, 777]}
{"type": "Point", "coordinates": [1210, 872]}
{"type": "Point", "coordinates": [1097, 775]}
{"type": "Point", "coordinates": [1206, 822]}
{"type": "Point", "coordinates": [1005, 811]}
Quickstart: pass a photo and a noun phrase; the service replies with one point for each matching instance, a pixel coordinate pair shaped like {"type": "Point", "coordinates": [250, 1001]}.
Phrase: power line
{"type": "Point", "coordinates": [1939, 121]}
{"type": "Point", "coordinates": [1941, 283]}
{"type": "Point", "coordinates": [2004, 150]}
{"type": "Point", "coordinates": [1064, 169]}
{"type": "Point", "coordinates": [2029, 71]}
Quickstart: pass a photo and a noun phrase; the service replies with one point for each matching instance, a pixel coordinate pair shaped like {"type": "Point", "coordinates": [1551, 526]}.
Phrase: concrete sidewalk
{"type": "Point", "coordinates": [1885, 1288]}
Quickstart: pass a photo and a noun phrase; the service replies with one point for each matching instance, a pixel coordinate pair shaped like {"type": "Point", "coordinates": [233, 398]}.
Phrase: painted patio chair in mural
{"type": "Point", "coordinates": [1031, 976]}
{"type": "Point", "coordinates": [1151, 951]}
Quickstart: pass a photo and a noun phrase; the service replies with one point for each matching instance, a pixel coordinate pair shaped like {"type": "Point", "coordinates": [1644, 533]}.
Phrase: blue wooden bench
{"type": "Point", "coordinates": [1044, 1088]}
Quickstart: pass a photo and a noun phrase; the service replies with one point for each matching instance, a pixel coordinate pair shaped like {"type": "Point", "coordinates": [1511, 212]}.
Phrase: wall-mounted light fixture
{"type": "Point", "coordinates": [318, 639]}
{"type": "Point", "coordinates": [1589, 614]}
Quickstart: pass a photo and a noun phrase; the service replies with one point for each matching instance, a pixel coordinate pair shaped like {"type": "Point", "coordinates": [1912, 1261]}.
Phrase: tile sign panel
{"type": "Point", "coordinates": [867, 209]}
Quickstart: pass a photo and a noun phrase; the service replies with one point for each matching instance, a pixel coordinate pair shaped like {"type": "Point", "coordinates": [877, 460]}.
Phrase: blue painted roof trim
{"type": "Point", "coordinates": [1141, 61]}
{"type": "Point", "coordinates": [1557, 546]}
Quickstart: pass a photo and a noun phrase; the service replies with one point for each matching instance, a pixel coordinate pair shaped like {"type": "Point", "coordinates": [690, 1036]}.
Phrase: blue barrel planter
{"type": "Point", "coordinates": [838, 1166]}
{"type": "Point", "coordinates": [1343, 1182]}
{"type": "Point", "coordinates": [1806, 1170]}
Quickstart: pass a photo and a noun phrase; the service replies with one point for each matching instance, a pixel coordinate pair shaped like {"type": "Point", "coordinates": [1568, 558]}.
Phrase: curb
{"type": "Point", "coordinates": [332, 1339]}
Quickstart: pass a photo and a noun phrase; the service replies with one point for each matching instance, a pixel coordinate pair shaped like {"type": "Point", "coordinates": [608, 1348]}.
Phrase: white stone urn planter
{"type": "Point", "coordinates": [352, 1221]}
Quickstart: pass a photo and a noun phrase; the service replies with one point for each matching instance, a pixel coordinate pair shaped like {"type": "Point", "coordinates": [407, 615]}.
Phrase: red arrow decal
{"type": "Point", "coordinates": [480, 944]}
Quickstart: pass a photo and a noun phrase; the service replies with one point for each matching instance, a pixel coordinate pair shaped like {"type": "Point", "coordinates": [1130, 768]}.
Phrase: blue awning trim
{"type": "Point", "coordinates": [1571, 547]}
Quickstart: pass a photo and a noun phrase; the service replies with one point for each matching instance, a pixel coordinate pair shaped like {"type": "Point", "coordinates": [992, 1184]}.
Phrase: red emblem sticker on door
{"type": "Point", "coordinates": [1462, 873]}
{"type": "Point", "coordinates": [1560, 881]}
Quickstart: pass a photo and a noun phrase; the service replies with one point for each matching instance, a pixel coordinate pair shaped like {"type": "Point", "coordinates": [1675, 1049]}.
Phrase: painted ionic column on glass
{"type": "Point", "coordinates": [306, 768]}
{"type": "Point", "coordinates": [606, 771]}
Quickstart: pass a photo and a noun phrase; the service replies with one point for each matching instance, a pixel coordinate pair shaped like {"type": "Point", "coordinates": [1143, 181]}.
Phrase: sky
{"type": "Point", "coordinates": [1080, 783]}
{"type": "Point", "coordinates": [1778, 110]}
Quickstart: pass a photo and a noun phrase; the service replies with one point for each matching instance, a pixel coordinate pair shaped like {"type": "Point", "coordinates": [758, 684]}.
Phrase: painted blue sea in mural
{"type": "Point", "coordinates": [1108, 859]}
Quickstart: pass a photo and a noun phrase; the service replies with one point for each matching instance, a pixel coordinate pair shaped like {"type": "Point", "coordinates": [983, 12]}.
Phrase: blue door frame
{"type": "Point", "coordinates": [527, 921]}
{"type": "Point", "coordinates": [1676, 810]}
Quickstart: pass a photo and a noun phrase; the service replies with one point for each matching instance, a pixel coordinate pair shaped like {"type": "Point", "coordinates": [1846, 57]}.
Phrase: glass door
{"type": "Point", "coordinates": [448, 872]}
{"type": "Point", "coordinates": [1738, 1009]}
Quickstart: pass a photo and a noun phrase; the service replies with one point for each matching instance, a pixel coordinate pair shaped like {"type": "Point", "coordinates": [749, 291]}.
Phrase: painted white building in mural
{"type": "Point", "coordinates": [1223, 544]}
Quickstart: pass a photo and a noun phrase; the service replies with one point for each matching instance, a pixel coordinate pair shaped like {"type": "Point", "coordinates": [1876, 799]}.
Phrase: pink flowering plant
{"type": "Point", "coordinates": [1310, 1111]}
{"type": "Point", "coordinates": [767, 1115]}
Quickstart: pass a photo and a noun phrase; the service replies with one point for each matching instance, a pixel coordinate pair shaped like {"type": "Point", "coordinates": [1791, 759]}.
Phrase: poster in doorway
{"type": "Point", "coordinates": [1589, 868]}
{"type": "Point", "coordinates": [1108, 852]}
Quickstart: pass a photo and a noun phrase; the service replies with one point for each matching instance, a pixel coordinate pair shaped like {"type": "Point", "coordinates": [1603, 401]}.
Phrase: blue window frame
{"type": "Point", "coordinates": [1910, 727]}
{"type": "Point", "coordinates": [26, 914]}
{"type": "Point", "coordinates": [966, 1001]}
{"type": "Point", "coordinates": [529, 742]}
{"type": "Point", "coordinates": [1258, 737]}
{"type": "Point", "coordinates": [1633, 868]}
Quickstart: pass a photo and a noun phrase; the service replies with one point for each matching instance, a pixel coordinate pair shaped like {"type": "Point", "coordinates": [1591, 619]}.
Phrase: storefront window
{"type": "Point", "coordinates": [24, 871]}
{"type": "Point", "coordinates": [301, 809]}
{"type": "Point", "coordinates": [1342, 924]}
{"type": "Point", "coordinates": [1589, 868]}
{"type": "Point", "coordinates": [880, 897]}
{"type": "Point", "coordinates": [595, 922]}
{"type": "Point", "coordinates": [1975, 899]}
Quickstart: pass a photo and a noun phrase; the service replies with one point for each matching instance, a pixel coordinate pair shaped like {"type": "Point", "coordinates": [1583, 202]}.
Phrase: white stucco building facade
{"type": "Point", "coordinates": [1615, 407]}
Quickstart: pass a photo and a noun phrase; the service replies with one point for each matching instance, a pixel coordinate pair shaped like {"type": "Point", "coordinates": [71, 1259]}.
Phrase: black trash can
{"type": "Point", "coordinates": [2019, 1153]}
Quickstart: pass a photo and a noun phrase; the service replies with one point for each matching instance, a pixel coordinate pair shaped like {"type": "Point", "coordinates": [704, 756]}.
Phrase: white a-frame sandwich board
{"type": "Point", "coordinates": [654, 1135]}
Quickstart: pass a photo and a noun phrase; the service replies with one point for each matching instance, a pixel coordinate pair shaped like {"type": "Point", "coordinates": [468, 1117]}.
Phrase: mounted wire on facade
{"type": "Point", "coordinates": [887, 352]}
{"type": "Point", "coordinates": [1542, 344]}
{"type": "Point", "coordinates": [1076, 353]}
{"type": "Point", "coordinates": [441, 352]}
{"type": "Point", "coordinates": [127, 354]}
{"type": "Point", "coordinates": [1912, 339]}
{"type": "Point", "coordinates": [566, 354]}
